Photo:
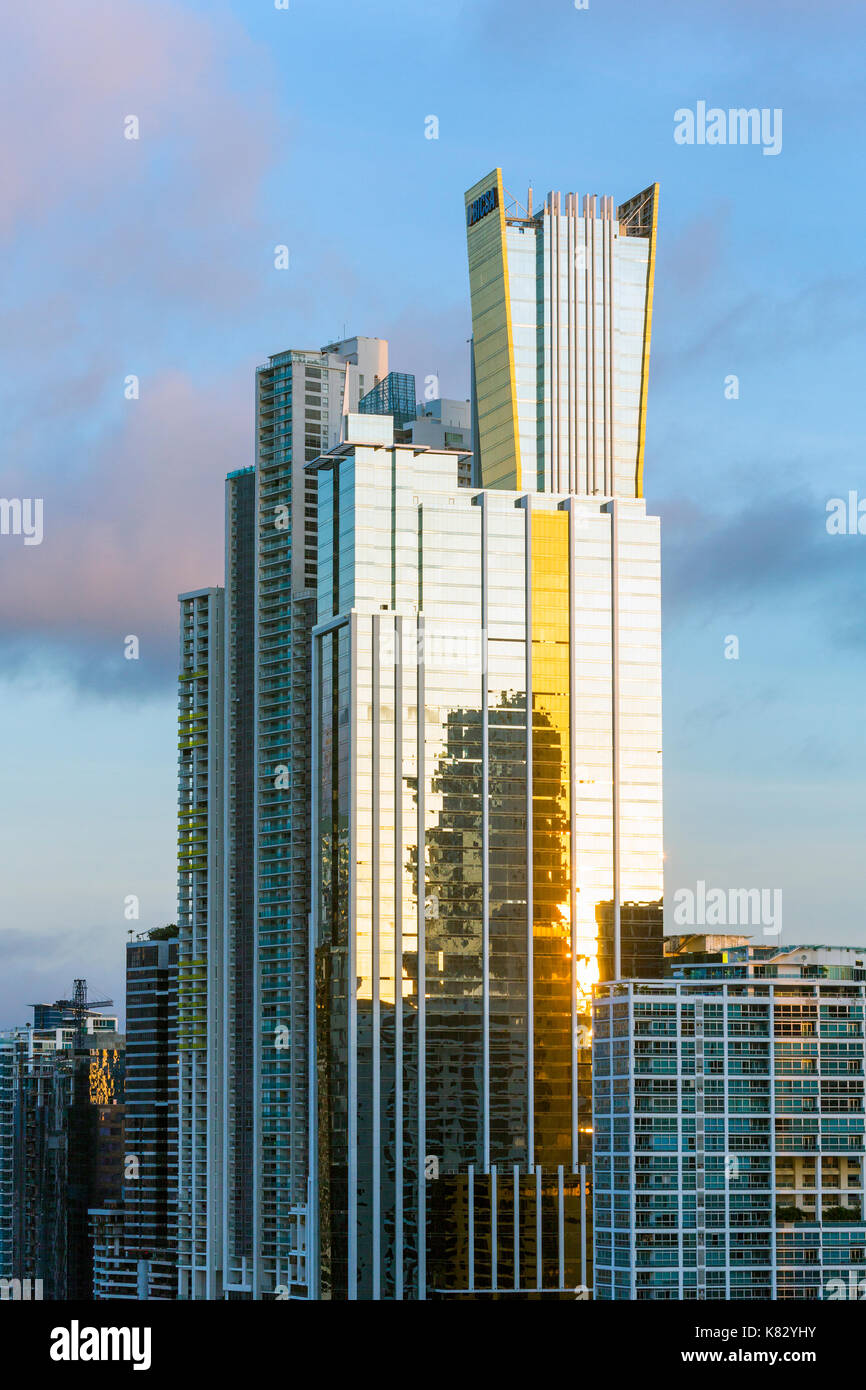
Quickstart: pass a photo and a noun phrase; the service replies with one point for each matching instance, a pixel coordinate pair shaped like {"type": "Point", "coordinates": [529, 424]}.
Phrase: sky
{"type": "Point", "coordinates": [306, 126]}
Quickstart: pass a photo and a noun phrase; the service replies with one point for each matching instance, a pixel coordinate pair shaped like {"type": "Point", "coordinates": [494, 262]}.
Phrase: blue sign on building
{"type": "Point", "coordinates": [480, 206]}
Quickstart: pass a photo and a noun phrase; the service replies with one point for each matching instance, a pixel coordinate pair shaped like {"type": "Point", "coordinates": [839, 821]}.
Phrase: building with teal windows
{"type": "Point", "coordinates": [9, 1046]}
{"type": "Point", "coordinates": [394, 395]}
{"type": "Point", "coordinates": [728, 1136]}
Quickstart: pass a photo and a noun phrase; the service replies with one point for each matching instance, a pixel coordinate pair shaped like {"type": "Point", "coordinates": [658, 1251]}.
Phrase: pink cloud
{"type": "Point", "coordinates": [75, 71]}
{"type": "Point", "coordinates": [145, 523]}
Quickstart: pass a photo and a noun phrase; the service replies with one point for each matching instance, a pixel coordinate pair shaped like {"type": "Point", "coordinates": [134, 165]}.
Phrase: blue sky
{"type": "Point", "coordinates": [306, 127]}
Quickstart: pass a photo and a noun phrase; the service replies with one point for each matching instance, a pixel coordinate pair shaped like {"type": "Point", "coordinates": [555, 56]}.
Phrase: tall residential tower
{"type": "Point", "coordinates": [244, 847]}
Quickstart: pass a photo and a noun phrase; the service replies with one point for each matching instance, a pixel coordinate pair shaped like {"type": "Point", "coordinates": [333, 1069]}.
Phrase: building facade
{"type": "Point", "coordinates": [135, 1236]}
{"type": "Point", "coordinates": [487, 780]}
{"type": "Point", "coordinates": [734, 957]}
{"type": "Point", "coordinates": [424, 717]}
{"type": "Point", "coordinates": [62, 1102]}
{"type": "Point", "coordinates": [437, 423]}
{"type": "Point", "coordinates": [8, 1069]}
{"type": "Point", "coordinates": [487, 803]}
{"type": "Point", "coordinates": [200, 936]}
{"type": "Point", "coordinates": [561, 321]}
{"type": "Point", "coordinates": [394, 395]}
{"type": "Point", "coordinates": [244, 1181]}
{"type": "Point", "coordinates": [728, 1121]}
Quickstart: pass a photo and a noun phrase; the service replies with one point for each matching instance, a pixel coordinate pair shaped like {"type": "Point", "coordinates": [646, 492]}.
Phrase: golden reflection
{"type": "Point", "coordinates": [551, 836]}
{"type": "Point", "coordinates": [101, 1076]}
{"type": "Point", "coordinates": [586, 953]}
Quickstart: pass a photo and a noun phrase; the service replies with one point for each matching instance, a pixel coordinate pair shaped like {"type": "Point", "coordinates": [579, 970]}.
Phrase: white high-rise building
{"type": "Point", "coordinates": [244, 739]}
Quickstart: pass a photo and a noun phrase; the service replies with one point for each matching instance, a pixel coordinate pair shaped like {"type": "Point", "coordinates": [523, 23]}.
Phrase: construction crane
{"type": "Point", "coordinates": [81, 1006]}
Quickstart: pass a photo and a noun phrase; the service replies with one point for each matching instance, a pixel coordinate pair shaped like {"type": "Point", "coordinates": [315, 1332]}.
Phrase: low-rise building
{"type": "Point", "coordinates": [728, 1119]}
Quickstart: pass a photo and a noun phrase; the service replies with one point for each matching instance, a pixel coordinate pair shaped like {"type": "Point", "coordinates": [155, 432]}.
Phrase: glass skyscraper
{"type": "Point", "coordinates": [487, 778]}
{"type": "Point", "coordinates": [62, 1126]}
{"type": "Point", "coordinates": [420, 770]}
{"type": "Point", "coordinates": [561, 319]}
{"type": "Point", "coordinates": [473, 841]}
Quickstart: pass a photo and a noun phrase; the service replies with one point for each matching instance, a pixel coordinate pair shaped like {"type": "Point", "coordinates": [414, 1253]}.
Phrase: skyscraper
{"type": "Point", "coordinates": [244, 847]}
{"type": "Point", "coordinates": [199, 920]}
{"type": "Point", "coordinates": [562, 315]}
{"type": "Point", "coordinates": [472, 842]}
{"type": "Point", "coordinates": [561, 319]}
{"type": "Point", "coordinates": [9, 1047]}
{"type": "Point", "coordinates": [424, 718]}
{"type": "Point", "coordinates": [302, 397]}
{"type": "Point", "coordinates": [487, 788]}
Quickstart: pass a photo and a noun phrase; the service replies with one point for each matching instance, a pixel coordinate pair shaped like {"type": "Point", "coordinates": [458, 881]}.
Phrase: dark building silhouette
{"type": "Point", "coordinates": [68, 1118]}
{"type": "Point", "coordinates": [134, 1219]}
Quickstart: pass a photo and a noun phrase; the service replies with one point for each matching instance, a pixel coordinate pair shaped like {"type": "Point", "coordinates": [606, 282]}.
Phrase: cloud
{"type": "Point", "coordinates": [758, 324]}
{"type": "Point", "coordinates": [120, 254]}
{"type": "Point", "coordinates": [433, 342]}
{"type": "Point", "coordinates": [114, 245]}
{"type": "Point", "coordinates": [768, 554]}
{"type": "Point", "coordinates": [144, 523]}
{"type": "Point", "coordinates": [74, 73]}
{"type": "Point", "coordinates": [39, 967]}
